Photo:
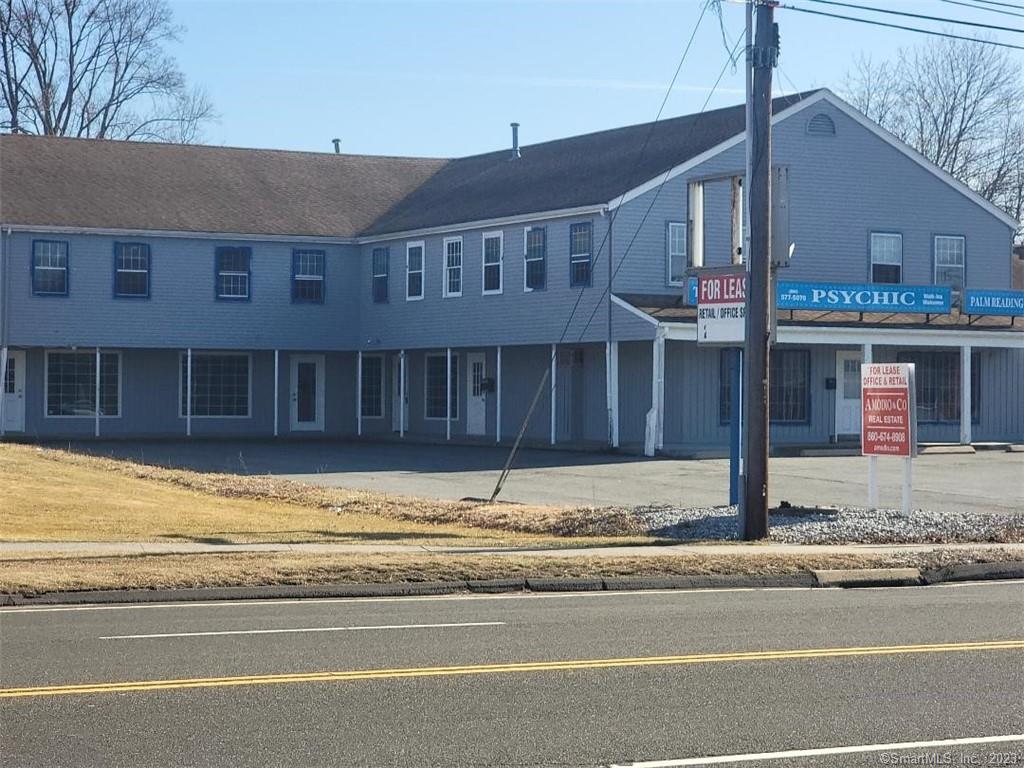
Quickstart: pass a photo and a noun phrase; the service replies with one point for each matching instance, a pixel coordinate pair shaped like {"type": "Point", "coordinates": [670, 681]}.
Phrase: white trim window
{"type": "Point", "coordinates": [950, 252]}
{"type": "Point", "coordinates": [371, 398]}
{"type": "Point", "coordinates": [676, 262]}
{"type": "Point", "coordinates": [581, 251]}
{"type": "Point", "coordinates": [50, 268]}
{"type": "Point", "coordinates": [435, 383]}
{"type": "Point", "coordinates": [380, 260]}
{"type": "Point", "coordinates": [308, 268]}
{"type": "Point", "coordinates": [414, 270]}
{"type": "Point", "coordinates": [452, 267]}
{"type": "Point", "coordinates": [234, 271]}
{"type": "Point", "coordinates": [493, 250]}
{"type": "Point", "coordinates": [535, 251]}
{"type": "Point", "coordinates": [131, 270]}
{"type": "Point", "coordinates": [886, 257]}
{"type": "Point", "coordinates": [71, 384]}
{"type": "Point", "coordinates": [221, 384]}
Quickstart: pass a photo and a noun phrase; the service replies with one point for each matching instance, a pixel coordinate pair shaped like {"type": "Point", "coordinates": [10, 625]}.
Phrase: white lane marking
{"type": "Point", "coordinates": [792, 753]}
{"type": "Point", "coordinates": [304, 629]}
{"type": "Point", "coordinates": [407, 599]}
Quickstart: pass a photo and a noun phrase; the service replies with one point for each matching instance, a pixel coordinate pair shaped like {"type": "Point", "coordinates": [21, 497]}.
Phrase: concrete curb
{"type": "Point", "coordinates": [869, 577]}
{"type": "Point", "coordinates": [878, 577]}
{"type": "Point", "coordinates": [975, 572]}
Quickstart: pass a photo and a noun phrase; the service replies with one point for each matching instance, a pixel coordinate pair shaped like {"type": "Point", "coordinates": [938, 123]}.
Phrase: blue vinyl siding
{"type": "Point", "coordinates": [183, 310]}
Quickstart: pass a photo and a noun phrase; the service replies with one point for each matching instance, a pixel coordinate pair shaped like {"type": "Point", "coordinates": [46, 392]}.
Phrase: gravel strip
{"type": "Point", "coordinates": [836, 525]}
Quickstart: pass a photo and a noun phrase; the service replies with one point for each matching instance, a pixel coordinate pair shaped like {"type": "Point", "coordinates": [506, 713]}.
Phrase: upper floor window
{"type": "Point", "coordinates": [50, 268]}
{"type": "Point", "coordinates": [381, 266]}
{"type": "Point", "coordinates": [494, 254]}
{"type": "Point", "coordinates": [414, 271]}
{"type": "Point", "coordinates": [453, 266]}
{"type": "Point", "coordinates": [581, 248]}
{"type": "Point", "coordinates": [233, 272]}
{"type": "Point", "coordinates": [308, 269]}
{"type": "Point", "coordinates": [675, 257]}
{"type": "Point", "coordinates": [131, 270]}
{"type": "Point", "coordinates": [71, 384]}
{"type": "Point", "coordinates": [535, 256]}
{"type": "Point", "coordinates": [886, 257]}
{"type": "Point", "coordinates": [949, 260]}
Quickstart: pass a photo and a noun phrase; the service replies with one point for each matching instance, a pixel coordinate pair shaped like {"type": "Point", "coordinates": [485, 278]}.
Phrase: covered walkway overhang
{"type": "Point", "coordinates": [673, 319]}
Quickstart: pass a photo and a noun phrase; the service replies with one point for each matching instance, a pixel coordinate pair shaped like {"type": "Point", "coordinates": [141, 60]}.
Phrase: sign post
{"type": "Point", "coordinates": [888, 422]}
{"type": "Point", "coordinates": [721, 319]}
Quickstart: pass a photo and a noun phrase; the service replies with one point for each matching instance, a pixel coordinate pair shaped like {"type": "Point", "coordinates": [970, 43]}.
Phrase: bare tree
{"type": "Point", "coordinates": [959, 104]}
{"type": "Point", "coordinates": [95, 68]}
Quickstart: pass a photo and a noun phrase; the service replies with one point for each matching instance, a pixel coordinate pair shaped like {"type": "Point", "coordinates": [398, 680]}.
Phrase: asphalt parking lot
{"type": "Point", "coordinates": [988, 481]}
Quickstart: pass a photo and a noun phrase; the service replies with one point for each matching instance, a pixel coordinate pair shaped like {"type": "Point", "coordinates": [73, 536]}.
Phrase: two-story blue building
{"type": "Point", "coordinates": [165, 290]}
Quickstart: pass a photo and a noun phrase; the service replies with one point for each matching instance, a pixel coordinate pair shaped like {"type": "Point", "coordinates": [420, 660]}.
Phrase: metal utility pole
{"type": "Point", "coordinates": [764, 56]}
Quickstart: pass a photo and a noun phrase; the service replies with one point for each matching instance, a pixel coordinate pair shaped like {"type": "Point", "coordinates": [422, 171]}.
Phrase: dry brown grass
{"type": "Point", "coordinates": [56, 495]}
{"type": "Point", "coordinates": [37, 575]}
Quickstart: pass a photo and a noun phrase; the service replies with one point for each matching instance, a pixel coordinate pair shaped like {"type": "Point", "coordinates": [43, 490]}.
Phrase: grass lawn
{"type": "Point", "coordinates": [66, 573]}
{"type": "Point", "coordinates": [55, 495]}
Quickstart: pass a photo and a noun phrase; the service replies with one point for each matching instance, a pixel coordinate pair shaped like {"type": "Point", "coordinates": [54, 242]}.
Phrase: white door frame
{"type": "Point", "coordinates": [843, 415]}
{"type": "Point", "coordinates": [476, 404]}
{"type": "Point", "coordinates": [317, 425]}
{"type": "Point", "coordinates": [14, 403]}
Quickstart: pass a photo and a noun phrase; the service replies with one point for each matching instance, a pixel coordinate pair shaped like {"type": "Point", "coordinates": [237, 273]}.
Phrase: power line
{"type": "Point", "coordinates": [875, 23]}
{"type": "Point", "coordinates": [657, 190]}
{"type": "Point", "coordinates": [982, 8]}
{"type": "Point", "coordinates": [597, 256]}
{"type": "Point", "coordinates": [1003, 5]}
{"type": "Point", "coordinates": [942, 19]}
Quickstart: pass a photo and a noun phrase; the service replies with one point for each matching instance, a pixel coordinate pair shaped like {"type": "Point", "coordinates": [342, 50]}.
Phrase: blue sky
{"type": "Point", "coordinates": [446, 78]}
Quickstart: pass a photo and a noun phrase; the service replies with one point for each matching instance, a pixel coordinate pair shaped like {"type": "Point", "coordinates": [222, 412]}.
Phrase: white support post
{"type": "Point", "coordinates": [277, 384]}
{"type": "Point", "coordinates": [188, 392]}
{"type": "Point", "coordinates": [965, 395]}
{"type": "Point", "coordinates": [872, 461]}
{"type": "Point", "coordinates": [3, 389]}
{"type": "Point", "coordinates": [96, 402]}
{"type": "Point", "coordinates": [613, 392]}
{"type": "Point", "coordinates": [497, 396]}
{"type": "Point", "coordinates": [448, 396]}
{"type": "Point", "coordinates": [359, 393]}
{"type": "Point", "coordinates": [554, 410]}
{"type": "Point", "coordinates": [401, 393]}
{"type": "Point", "coordinates": [908, 484]}
{"type": "Point", "coordinates": [660, 391]}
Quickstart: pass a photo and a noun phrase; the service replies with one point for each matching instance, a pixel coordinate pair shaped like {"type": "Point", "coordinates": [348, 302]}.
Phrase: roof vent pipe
{"type": "Point", "coordinates": [515, 142]}
{"type": "Point", "coordinates": [337, 146]}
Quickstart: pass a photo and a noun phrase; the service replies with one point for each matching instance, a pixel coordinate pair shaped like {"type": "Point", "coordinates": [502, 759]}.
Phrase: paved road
{"type": "Point", "coordinates": [523, 680]}
{"type": "Point", "coordinates": [987, 481]}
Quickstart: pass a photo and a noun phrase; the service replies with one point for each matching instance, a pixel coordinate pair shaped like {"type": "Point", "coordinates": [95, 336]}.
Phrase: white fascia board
{"type": "Point", "coordinates": [634, 311]}
{"type": "Point", "coordinates": [523, 218]}
{"type": "Point", "coordinates": [174, 233]}
{"type": "Point", "coordinates": [703, 157]}
{"type": "Point", "coordinates": [897, 337]}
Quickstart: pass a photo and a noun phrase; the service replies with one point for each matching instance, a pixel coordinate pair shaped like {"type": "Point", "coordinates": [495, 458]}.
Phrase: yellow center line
{"type": "Point", "coordinates": [486, 669]}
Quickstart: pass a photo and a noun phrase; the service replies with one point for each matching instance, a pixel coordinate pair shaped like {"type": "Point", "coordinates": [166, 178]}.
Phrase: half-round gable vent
{"type": "Point", "coordinates": [821, 125]}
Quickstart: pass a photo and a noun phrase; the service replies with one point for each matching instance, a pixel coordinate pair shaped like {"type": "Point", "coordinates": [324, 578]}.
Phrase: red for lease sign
{"type": "Point", "coordinates": [888, 411]}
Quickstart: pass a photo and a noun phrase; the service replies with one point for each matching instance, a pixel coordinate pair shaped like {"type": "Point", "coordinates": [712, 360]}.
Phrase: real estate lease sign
{"type": "Point", "coordinates": [888, 410]}
{"type": "Point", "coordinates": [721, 307]}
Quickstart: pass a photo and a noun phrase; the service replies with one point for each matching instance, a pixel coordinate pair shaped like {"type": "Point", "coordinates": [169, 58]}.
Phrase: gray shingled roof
{"type": "Point", "coordinates": [565, 173]}
{"type": "Point", "coordinates": [92, 183]}
{"type": "Point", "coordinates": [136, 185]}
